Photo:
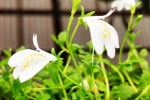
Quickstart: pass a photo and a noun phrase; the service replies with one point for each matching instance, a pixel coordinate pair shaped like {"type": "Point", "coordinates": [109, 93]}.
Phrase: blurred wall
{"type": "Point", "coordinates": [19, 19]}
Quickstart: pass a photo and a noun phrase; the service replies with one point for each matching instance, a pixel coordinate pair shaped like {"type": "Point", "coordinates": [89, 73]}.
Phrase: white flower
{"type": "Point", "coordinates": [29, 62]}
{"type": "Point", "coordinates": [121, 4]}
{"type": "Point", "coordinates": [102, 34]}
{"type": "Point", "coordinates": [87, 87]}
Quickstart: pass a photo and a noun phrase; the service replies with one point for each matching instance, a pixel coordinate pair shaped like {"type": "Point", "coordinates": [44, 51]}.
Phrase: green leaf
{"type": "Point", "coordinates": [74, 77]}
{"type": "Point", "coordinates": [75, 47]}
{"type": "Point", "coordinates": [143, 53]}
{"type": "Point", "coordinates": [5, 85]}
{"type": "Point", "coordinates": [53, 51]}
{"type": "Point", "coordinates": [73, 96]}
{"type": "Point", "coordinates": [43, 97]}
{"type": "Point", "coordinates": [55, 39]}
{"type": "Point", "coordinates": [8, 52]}
{"type": "Point", "coordinates": [90, 13]}
{"type": "Point", "coordinates": [62, 37]}
{"type": "Point", "coordinates": [145, 77]}
{"type": "Point", "coordinates": [27, 89]}
{"type": "Point", "coordinates": [52, 69]}
{"type": "Point", "coordinates": [101, 85]}
{"type": "Point", "coordinates": [20, 97]}
{"type": "Point", "coordinates": [60, 53]}
{"type": "Point", "coordinates": [75, 5]}
{"type": "Point", "coordinates": [49, 82]}
{"type": "Point", "coordinates": [90, 46]}
{"type": "Point", "coordinates": [4, 62]}
{"type": "Point", "coordinates": [138, 19]}
{"type": "Point", "coordinates": [123, 91]}
{"type": "Point", "coordinates": [20, 48]}
{"type": "Point", "coordinates": [80, 94]}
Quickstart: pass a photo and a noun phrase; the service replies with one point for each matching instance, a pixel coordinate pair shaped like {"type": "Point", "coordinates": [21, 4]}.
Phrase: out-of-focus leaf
{"type": "Point", "coordinates": [43, 97]}
{"type": "Point", "coordinates": [143, 53]}
{"type": "Point", "coordinates": [123, 91]}
{"type": "Point", "coordinates": [145, 77]}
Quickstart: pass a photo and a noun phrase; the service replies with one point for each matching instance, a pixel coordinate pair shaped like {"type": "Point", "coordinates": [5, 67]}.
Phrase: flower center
{"type": "Point", "coordinates": [106, 31]}
{"type": "Point", "coordinates": [30, 58]}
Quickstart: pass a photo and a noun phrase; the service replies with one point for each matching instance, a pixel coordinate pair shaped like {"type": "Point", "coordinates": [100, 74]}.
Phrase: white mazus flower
{"type": "Point", "coordinates": [121, 4]}
{"type": "Point", "coordinates": [102, 34]}
{"type": "Point", "coordinates": [29, 62]}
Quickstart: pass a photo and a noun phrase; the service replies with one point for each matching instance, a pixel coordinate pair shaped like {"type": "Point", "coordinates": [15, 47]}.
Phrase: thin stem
{"type": "Point", "coordinates": [106, 79]}
{"type": "Point", "coordinates": [74, 32]}
{"type": "Point", "coordinates": [125, 37]}
{"type": "Point", "coordinates": [137, 56]}
{"type": "Point", "coordinates": [69, 48]}
{"type": "Point", "coordinates": [130, 81]}
{"type": "Point", "coordinates": [66, 50]}
{"type": "Point", "coordinates": [67, 77]}
{"type": "Point", "coordinates": [67, 64]}
{"type": "Point", "coordinates": [69, 28]}
{"type": "Point", "coordinates": [93, 86]}
{"type": "Point", "coordinates": [81, 80]}
{"type": "Point", "coordinates": [62, 85]}
{"type": "Point", "coordinates": [92, 56]}
{"type": "Point", "coordinates": [119, 73]}
{"type": "Point", "coordinates": [38, 85]}
{"type": "Point", "coordinates": [143, 92]}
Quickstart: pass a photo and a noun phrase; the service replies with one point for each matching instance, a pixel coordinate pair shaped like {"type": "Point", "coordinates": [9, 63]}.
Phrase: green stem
{"type": "Point", "coordinates": [119, 73]}
{"type": "Point", "coordinates": [74, 32]}
{"type": "Point", "coordinates": [137, 56]}
{"type": "Point", "coordinates": [67, 77]}
{"type": "Point", "coordinates": [61, 83]}
{"type": "Point", "coordinates": [81, 80]}
{"type": "Point", "coordinates": [38, 85]}
{"type": "Point", "coordinates": [69, 48]}
{"type": "Point", "coordinates": [63, 48]}
{"type": "Point", "coordinates": [143, 92]}
{"type": "Point", "coordinates": [125, 37]}
{"type": "Point", "coordinates": [130, 81]}
{"type": "Point", "coordinates": [69, 28]}
{"type": "Point", "coordinates": [106, 79]}
{"type": "Point", "coordinates": [67, 64]}
{"type": "Point", "coordinates": [93, 86]}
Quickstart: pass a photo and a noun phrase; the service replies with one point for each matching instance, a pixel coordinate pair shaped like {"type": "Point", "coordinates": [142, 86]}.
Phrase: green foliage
{"type": "Point", "coordinates": [43, 97]}
{"type": "Point", "coordinates": [122, 91]}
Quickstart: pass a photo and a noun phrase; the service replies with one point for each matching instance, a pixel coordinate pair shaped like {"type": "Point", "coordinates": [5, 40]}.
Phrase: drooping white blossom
{"type": "Point", "coordinates": [123, 4]}
{"type": "Point", "coordinates": [102, 34]}
{"type": "Point", "coordinates": [29, 62]}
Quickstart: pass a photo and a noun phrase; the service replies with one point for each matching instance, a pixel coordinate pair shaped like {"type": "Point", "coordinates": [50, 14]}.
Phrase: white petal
{"type": "Point", "coordinates": [96, 30]}
{"type": "Point", "coordinates": [17, 71]}
{"type": "Point", "coordinates": [120, 7]}
{"type": "Point", "coordinates": [118, 4]}
{"type": "Point", "coordinates": [49, 56]}
{"type": "Point", "coordinates": [114, 35]}
{"type": "Point", "coordinates": [115, 4]}
{"type": "Point", "coordinates": [127, 7]}
{"type": "Point", "coordinates": [17, 57]}
{"type": "Point", "coordinates": [129, 2]}
{"type": "Point", "coordinates": [110, 48]}
{"type": "Point", "coordinates": [86, 85]}
{"type": "Point", "coordinates": [92, 18]}
{"type": "Point", "coordinates": [35, 42]}
{"type": "Point", "coordinates": [34, 67]}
